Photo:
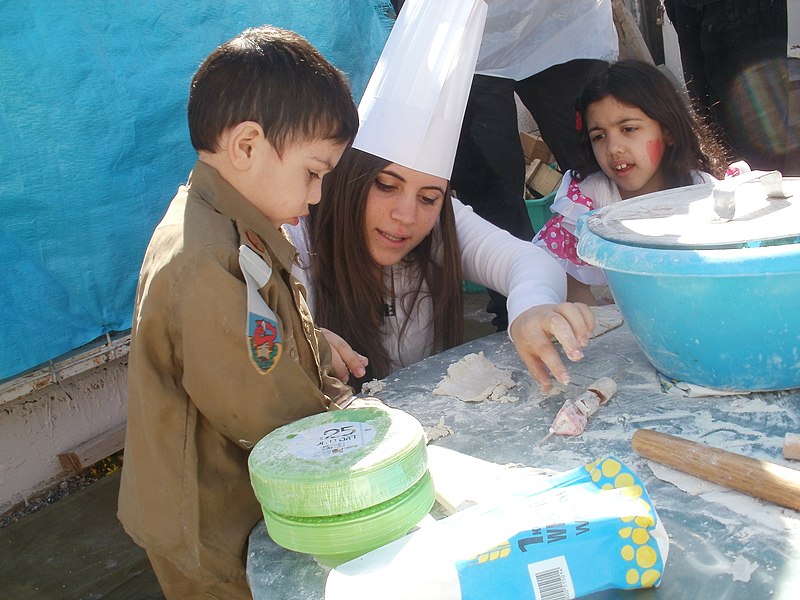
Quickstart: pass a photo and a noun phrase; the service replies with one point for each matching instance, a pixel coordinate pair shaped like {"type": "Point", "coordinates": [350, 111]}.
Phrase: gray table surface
{"type": "Point", "coordinates": [723, 544]}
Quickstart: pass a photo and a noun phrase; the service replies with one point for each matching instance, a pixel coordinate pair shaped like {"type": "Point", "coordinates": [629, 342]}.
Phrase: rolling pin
{"type": "Point", "coordinates": [758, 478]}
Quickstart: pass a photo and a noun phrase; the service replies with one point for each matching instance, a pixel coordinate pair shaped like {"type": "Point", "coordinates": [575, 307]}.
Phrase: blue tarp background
{"type": "Point", "coordinates": [94, 142]}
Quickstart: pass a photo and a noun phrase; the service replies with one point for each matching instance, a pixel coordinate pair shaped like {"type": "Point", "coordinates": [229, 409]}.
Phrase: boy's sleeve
{"type": "Point", "coordinates": [241, 400]}
{"type": "Point", "coordinates": [332, 386]}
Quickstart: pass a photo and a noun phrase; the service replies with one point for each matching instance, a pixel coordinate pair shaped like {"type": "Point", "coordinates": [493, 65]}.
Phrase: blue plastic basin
{"type": "Point", "coordinates": [723, 318]}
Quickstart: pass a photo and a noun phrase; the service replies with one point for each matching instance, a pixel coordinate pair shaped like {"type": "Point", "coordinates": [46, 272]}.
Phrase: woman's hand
{"type": "Point", "coordinates": [345, 360]}
{"type": "Point", "coordinates": [532, 331]}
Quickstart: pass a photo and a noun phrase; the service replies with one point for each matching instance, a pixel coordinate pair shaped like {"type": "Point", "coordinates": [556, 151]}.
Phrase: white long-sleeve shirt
{"type": "Point", "coordinates": [490, 256]}
{"type": "Point", "coordinates": [524, 37]}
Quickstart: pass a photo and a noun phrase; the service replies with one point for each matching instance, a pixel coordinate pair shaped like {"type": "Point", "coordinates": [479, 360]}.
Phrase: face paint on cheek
{"type": "Point", "coordinates": [655, 149]}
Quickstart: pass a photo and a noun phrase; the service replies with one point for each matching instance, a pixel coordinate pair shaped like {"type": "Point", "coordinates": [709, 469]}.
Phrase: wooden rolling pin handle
{"type": "Point", "coordinates": [758, 478]}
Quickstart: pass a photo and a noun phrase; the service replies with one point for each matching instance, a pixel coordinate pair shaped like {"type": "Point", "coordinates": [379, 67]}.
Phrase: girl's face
{"type": "Point", "coordinates": [403, 205]}
{"type": "Point", "coordinates": [628, 146]}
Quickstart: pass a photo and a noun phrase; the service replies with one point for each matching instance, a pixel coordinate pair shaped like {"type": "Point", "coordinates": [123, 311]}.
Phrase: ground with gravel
{"type": "Point", "coordinates": [68, 485]}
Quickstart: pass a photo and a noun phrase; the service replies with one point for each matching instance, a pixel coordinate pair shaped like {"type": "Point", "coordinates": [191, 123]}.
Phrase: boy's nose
{"type": "Point", "coordinates": [314, 194]}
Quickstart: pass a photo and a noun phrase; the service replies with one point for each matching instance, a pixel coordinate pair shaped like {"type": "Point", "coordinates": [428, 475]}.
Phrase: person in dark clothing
{"type": "Point", "coordinates": [733, 55]}
{"type": "Point", "coordinates": [544, 52]}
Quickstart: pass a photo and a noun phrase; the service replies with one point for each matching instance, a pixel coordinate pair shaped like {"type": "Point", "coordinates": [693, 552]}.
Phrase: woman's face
{"type": "Point", "coordinates": [628, 146]}
{"type": "Point", "coordinates": [403, 205]}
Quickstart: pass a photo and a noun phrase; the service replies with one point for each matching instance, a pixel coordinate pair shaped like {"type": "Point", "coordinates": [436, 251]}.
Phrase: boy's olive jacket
{"type": "Point", "coordinates": [206, 380]}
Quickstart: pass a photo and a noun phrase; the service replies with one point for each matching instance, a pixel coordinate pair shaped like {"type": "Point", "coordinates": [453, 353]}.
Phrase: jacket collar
{"type": "Point", "coordinates": [206, 181]}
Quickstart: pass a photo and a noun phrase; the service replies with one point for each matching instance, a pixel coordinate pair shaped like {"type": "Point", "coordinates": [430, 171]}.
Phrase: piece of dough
{"type": "Point", "coordinates": [439, 430]}
{"type": "Point", "coordinates": [370, 388]}
{"type": "Point", "coordinates": [606, 318]}
{"type": "Point", "coordinates": [474, 378]}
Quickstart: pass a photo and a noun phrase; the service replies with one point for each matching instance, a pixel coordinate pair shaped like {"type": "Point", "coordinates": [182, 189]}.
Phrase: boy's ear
{"type": "Point", "coordinates": [243, 142]}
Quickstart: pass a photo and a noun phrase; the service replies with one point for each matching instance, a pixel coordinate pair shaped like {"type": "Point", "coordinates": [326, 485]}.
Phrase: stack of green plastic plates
{"type": "Point", "coordinates": [339, 538]}
{"type": "Point", "coordinates": [338, 462]}
{"type": "Point", "coordinates": [341, 483]}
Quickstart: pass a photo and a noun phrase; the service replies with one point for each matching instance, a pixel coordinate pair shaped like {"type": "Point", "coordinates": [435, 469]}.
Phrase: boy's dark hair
{"type": "Point", "coordinates": [277, 79]}
{"type": "Point", "coordinates": [636, 83]}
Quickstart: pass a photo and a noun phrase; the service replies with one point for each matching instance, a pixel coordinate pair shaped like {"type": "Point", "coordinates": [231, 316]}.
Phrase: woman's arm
{"type": "Point", "coordinates": [533, 331]}
{"type": "Point", "coordinates": [536, 287]}
{"type": "Point", "coordinates": [492, 257]}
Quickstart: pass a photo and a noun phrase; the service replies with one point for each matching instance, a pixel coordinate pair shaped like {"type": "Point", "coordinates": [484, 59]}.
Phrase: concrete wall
{"type": "Point", "coordinates": [35, 428]}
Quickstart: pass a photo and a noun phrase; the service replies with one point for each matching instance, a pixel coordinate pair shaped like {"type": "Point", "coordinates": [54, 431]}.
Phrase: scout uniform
{"type": "Point", "coordinates": [212, 369]}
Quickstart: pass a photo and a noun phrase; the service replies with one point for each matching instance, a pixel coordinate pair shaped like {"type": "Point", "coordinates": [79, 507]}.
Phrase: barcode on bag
{"type": "Point", "coordinates": [551, 580]}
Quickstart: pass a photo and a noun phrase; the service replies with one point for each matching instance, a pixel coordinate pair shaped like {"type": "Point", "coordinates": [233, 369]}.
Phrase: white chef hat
{"type": "Point", "coordinates": [413, 107]}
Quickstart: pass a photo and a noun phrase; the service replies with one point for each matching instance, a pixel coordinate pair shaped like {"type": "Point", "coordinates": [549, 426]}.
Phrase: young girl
{"type": "Point", "coordinates": [383, 255]}
{"type": "Point", "coordinates": [638, 136]}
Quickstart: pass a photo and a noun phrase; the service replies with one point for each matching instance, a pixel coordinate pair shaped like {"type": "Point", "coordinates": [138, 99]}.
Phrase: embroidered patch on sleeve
{"type": "Point", "coordinates": [263, 325]}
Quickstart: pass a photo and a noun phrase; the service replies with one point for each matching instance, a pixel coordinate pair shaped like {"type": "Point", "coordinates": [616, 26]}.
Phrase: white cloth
{"type": "Point", "coordinates": [524, 37]}
{"type": "Point", "coordinates": [490, 256]}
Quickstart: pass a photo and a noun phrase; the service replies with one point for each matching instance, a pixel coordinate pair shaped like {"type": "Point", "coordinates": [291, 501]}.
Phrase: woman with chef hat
{"type": "Point", "coordinates": [384, 252]}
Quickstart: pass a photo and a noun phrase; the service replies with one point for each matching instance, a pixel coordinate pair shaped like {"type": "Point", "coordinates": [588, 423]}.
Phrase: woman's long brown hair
{"type": "Point", "coordinates": [349, 289]}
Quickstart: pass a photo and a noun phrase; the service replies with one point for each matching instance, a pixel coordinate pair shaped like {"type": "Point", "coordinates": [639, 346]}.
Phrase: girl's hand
{"type": "Point", "coordinates": [532, 331]}
{"type": "Point", "coordinates": [345, 360]}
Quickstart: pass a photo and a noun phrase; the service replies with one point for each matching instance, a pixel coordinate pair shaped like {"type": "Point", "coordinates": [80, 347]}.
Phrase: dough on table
{"type": "Point", "coordinates": [475, 378]}
{"type": "Point", "coordinates": [439, 430]}
{"type": "Point", "coordinates": [606, 318]}
{"type": "Point", "coordinates": [370, 388]}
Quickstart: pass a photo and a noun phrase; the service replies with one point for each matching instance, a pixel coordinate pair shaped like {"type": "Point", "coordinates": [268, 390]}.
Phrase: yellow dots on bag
{"type": "Point", "coordinates": [631, 491]}
{"type": "Point", "coordinates": [627, 552]}
{"type": "Point", "coordinates": [637, 546]}
{"type": "Point", "coordinates": [646, 557]}
{"type": "Point", "coordinates": [495, 553]}
{"type": "Point", "coordinates": [624, 480]}
{"type": "Point", "coordinates": [639, 552]}
{"type": "Point", "coordinates": [650, 577]}
{"type": "Point", "coordinates": [591, 466]}
{"type": "Point", "coordinates": [640, 536]}
{"type": "Point", "coordinates": [610, 467]}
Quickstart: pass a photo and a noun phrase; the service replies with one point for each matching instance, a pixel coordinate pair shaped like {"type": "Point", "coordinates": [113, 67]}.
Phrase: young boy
{"type": "Point", "coordinates": [222, 354]}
